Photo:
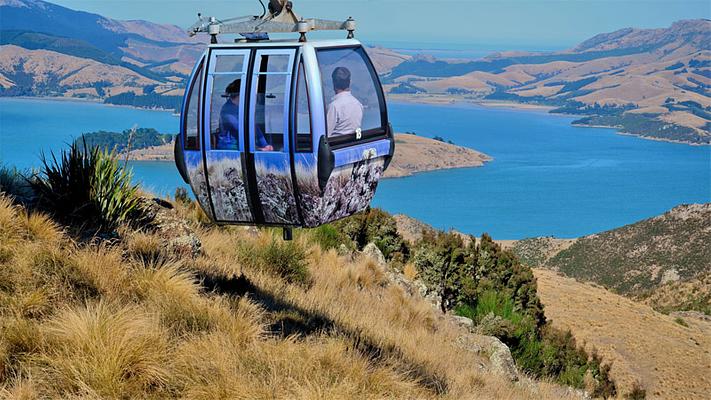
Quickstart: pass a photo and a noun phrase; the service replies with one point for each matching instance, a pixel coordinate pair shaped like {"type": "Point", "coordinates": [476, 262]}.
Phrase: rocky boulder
{"type": "Point", "coordinates": [176, 235]}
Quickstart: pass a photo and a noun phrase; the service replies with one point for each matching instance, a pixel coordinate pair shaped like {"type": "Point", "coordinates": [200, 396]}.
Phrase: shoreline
{"type": "Point", "coordinates": [406, 99]}
{"type": "Point", "coordinates": [87, 101]}
{"type": "Point", "coordinates": [409, 175]}
{"type": "Point", "coordinates": [444, 100]}
{"type": "Point", "coordinates": [618, 131]}
{"type": "Point", "coordinates": [417, 154]}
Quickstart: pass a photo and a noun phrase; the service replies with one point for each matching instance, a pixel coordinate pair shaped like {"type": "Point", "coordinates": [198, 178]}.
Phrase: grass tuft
{"type": "Point", "coordinates": [273, 255]}
{"type": "Point", "coordinates": [106, 350]}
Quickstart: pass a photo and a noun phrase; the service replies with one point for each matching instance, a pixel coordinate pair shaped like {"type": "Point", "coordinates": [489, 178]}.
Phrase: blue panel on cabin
{"type": "Point", "coordinates": [354, 154]}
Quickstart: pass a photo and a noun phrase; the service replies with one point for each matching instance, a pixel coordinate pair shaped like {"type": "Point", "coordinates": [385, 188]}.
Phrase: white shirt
{"type": "Point", "coordinates": [345, 115]}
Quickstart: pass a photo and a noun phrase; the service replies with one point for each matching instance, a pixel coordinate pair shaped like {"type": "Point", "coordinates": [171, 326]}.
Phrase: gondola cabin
{"type": "Point", "coordinates": [284, 133]}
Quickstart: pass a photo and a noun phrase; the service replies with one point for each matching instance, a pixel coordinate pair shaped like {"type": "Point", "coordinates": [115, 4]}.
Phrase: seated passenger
{"type": "Point", "coordinates": [229, 122]}
{"type": "Point", "coordinates": [345, 112]}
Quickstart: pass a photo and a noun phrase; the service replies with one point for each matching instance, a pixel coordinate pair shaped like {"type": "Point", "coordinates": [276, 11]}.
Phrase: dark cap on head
{"type": "Point", "coordinates": [341, 78]}
{"type": "Point", "coordinates": [233, 89]}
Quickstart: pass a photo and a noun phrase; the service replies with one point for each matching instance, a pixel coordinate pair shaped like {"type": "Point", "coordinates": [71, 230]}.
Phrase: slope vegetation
{"type": "Point", "coordinates": [151, 314]}
{"type": "Point", "coordinates": [644, 255]}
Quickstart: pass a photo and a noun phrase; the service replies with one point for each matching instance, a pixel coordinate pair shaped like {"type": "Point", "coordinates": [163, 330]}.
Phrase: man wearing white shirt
{"type": "Point", "coordinates": [345, 112]}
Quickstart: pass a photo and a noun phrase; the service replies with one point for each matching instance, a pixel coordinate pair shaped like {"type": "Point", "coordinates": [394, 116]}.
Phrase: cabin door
{"type": "Point", "coordinates": [224, 135]}
{"type": "Point", "coordinates": [269, 147]}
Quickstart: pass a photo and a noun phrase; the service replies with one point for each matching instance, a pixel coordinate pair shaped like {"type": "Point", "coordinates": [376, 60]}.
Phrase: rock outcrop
{"type": "Point", "coordinates": [177, 237]}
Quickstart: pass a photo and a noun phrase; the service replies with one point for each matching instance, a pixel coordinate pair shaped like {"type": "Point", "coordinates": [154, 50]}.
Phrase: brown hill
{"type": "Point", "coordinates": [68, 75]}
{"type": "Point", "coordinates": [420, 154]}
{"type": "Point", "coordinates": [669, 357]}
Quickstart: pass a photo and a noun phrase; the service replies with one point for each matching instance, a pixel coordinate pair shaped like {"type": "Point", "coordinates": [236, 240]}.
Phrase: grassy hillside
{"type": "Point", "coordinates": [662, 261]}
{"type": "Point", "coordinates": [249, 317]}
{"type": "Point", "coordinates": [105, 293]}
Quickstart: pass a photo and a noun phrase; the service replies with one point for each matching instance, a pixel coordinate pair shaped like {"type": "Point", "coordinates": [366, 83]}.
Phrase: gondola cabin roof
{"type": "Point", "coordinates": [286, 42]}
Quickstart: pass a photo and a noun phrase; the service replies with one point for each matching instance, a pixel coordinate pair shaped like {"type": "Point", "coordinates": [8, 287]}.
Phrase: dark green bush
{"type": "Point", "coordinates": [182, 196]}
{"type": "Point", "coordinates": [541, 352]}
{"type": "Point", "coordinates": [87, 187]}
{"type": "Point", "coordinates": [447, 267]}
{"type": "Point", "coordinates": [376, 226]}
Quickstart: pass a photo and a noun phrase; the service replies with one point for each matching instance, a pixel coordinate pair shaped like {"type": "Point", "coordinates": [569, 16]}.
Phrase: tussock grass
{"type": "Point", "coordinates": [39, 227]}
{"type": "Point", "coordinates": [214, 367]}
{"type": "Point", "coordinates": [105, 350]}
{"type": "Point", "coordinates": [253, 317]}
{"type": "Point", "coordinates": [145, 248]}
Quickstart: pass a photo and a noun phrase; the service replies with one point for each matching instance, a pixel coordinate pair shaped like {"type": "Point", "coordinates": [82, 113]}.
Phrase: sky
{"type": "Point", "coordinates": [502, 24]}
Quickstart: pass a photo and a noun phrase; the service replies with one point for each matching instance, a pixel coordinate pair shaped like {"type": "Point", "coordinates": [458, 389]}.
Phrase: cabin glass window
{"type": "Point", "coordinates": [226, 118]}
{"type": "Point", "coordinates": [303, 116]}
{"type": "Point", "coordinates": [192, 122]}
{"type": "Point", "coordinates": [273, 78]}
{"type": "Point", "coordinates": [355, 107]}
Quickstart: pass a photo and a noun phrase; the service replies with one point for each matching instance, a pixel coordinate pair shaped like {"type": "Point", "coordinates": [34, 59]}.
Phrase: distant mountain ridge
{"type": "Point", "coordinates": [46, 49]}
{"type": "Point", "coordinates": [654, 83]}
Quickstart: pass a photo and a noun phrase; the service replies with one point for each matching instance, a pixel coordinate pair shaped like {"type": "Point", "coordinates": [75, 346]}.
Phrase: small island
{"type": "Point", "coordinates": [413, 154]}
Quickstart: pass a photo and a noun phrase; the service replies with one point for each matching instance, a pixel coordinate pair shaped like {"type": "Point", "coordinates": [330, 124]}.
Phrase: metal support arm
{"type": "Point", "coordinates": [284, 20]}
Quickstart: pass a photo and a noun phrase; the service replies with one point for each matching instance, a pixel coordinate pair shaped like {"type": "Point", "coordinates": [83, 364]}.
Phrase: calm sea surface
{"type": "Point", "coordinates": [548, 178]}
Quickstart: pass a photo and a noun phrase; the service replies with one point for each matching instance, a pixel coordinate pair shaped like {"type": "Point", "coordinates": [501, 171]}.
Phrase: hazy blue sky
{"type": "Point", "coordinates": [522, 23]}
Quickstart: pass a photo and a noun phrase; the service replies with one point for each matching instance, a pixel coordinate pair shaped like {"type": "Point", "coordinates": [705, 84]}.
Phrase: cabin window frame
{"type": "Point", "coordinates": [367, 135]}
{"type": "Point", "coordinates": [209, 99]}
{"type": "Point", "coordinates": [302, 146]}
{"type": "Point", "coordinates": [255, 76]}
{"type": "Point", "coordinates": [199, 78]}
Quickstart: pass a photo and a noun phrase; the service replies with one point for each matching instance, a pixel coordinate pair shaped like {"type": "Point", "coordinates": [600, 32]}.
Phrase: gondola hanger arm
{"type": "Point", "coordinates": [280, 19]}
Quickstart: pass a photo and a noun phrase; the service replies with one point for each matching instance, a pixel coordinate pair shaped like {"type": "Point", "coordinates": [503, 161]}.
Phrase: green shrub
{"type": "Point", "coordinates": [329, 237]}
{"type": "Point", "coordinates": [288, 259]}
{"type": "Point", "coordinates": [542, 352]}
{"type": "Point", "coordinates": [285, 259]}
{"type": "Point", "coordinates": [87, 187]}
{"type": "Point", "coordinates": [447, 267]}
{"type": "Point", "coordinates": [376, 226]}
{"type": "Point", "coordinates": [182, 196]}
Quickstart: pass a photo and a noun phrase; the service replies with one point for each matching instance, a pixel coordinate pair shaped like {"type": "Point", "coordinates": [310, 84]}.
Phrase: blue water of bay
{"type": "Point", "coordinates": [547, 177]}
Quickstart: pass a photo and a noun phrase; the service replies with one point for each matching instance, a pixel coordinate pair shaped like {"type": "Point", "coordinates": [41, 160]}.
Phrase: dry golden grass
{"type": "Point", "coordinates": [671, 361]}
{"type": "Point", "coordinates": [104, 350]}
{"type": "Point", "coordinates": [110, 321]}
